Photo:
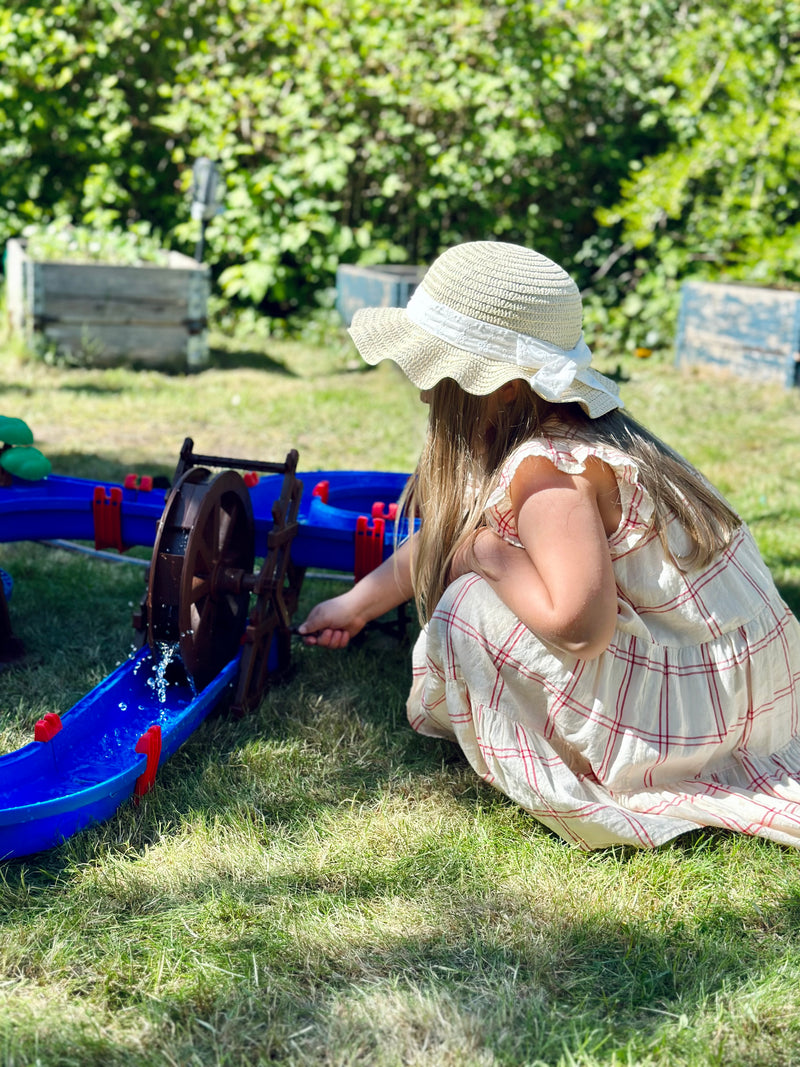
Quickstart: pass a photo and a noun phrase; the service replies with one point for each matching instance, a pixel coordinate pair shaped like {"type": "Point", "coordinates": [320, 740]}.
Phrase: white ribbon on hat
{"type": "Point", "coordinates": [555, 368]}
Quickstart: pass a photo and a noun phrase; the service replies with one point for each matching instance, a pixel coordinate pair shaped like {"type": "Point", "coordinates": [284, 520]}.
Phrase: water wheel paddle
{"type": "Point", "coordinates": [203, 553]}
{"type": "Point", "coordinates": [201, 579]}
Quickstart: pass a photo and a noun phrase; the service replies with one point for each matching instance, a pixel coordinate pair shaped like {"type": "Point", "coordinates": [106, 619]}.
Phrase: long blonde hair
{"type": "Point", "coordinates": [467, 442]}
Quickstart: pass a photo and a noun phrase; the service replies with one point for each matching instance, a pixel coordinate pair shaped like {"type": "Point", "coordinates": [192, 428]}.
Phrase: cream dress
{"type": "Point", "coordinates": [690, 718]}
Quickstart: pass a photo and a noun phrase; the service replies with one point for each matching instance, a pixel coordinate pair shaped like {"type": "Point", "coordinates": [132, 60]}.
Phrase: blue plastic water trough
{"type": "Point", "coordinates": [81, 773]}
{"type": "Point", "coordinates": [83, 764]}
{"type": "Point", "coordinates": [73, 508]}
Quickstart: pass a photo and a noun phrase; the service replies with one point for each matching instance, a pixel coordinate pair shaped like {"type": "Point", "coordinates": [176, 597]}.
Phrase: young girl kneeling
{"type": "Point", "coordinates": [600, 634]}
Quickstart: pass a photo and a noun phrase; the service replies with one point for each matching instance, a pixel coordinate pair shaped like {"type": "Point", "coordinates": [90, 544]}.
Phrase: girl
{"type": "Point", "coordinates": [601, 636]}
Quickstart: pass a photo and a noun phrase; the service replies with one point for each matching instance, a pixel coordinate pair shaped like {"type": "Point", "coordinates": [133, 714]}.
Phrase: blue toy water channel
{"type": "Point", "coordinates": [94, 757]}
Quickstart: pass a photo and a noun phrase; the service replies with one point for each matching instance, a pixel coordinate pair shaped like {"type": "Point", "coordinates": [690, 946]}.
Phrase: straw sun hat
{"type": "Point", "coordinates": [485, 313]}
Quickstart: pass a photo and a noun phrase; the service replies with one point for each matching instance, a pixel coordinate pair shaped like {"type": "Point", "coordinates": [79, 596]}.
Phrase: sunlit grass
{"type": "Point", "coordinates": [247, 405]}
{"type": "Point", "coordinates": [315, 884]}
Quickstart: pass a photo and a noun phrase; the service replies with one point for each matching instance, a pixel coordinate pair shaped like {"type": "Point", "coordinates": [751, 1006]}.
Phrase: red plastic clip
{"type": "Point", "coordinates": [368, 545]}
{"type": "Point", "coordinates": [47, 728]}
{"type": "Point", "coordinates": [251, 478]}
{"type": "Point", "coordinates": [133, 481]}
{"type": "Point", "coordinates": [149, 744]}
{"type": "Point", "coordinates": [388, 512]}
{"type": "Point", "coordinates": [107, 513]}
{"type": "Point", "coordinates": [321, 489]}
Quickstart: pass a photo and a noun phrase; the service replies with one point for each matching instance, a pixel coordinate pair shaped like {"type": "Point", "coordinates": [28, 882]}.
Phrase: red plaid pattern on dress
{"type": "Point", "coordinates": [690, 718]}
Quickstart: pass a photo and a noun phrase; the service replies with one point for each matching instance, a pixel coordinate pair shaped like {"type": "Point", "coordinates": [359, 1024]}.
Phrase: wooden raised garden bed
{"type": "Point", "coordinates": [744, 329]}
{"type": "Point", "coordinates": [382, 286]}
{"type": "Point", "coordinates": [103, 314]}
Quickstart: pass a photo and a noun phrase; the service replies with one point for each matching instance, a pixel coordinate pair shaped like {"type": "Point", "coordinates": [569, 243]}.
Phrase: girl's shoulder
{"type": "Point", "coordinates": [569, 450]}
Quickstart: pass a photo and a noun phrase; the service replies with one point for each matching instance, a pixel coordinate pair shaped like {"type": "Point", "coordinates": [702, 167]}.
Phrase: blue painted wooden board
{"type": "Point", "coordinates": [744, 329]}
{"type": "Point", "coordinates": [373, 287]}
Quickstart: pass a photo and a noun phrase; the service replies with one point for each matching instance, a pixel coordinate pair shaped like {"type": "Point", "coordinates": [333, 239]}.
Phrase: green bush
{"type": "Point", "coordinates": [719, 200]}
{"type": "Point", "coordinates": [62, 241]}
{"type": "Point", "coordinates": [636, 142]}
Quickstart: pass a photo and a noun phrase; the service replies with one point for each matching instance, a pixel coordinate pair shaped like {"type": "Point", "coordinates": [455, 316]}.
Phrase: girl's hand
{"type": "Point", "coordinates": [486, 554]}
{"type": "Point", "coordinates": [332, 623]}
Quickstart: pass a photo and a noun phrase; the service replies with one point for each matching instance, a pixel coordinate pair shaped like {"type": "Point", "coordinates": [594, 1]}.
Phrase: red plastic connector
{"type": "Point", "coordinates": [107, 511]}
{"type": "Point", "coordinates": [368, 545]}
{"type": "Point", "coordinates": [321, 489]}
{"type": "Point", "coordinates": [251, 478]}
{"type": "Point", "coordinates": [149, 744]}
{"type": "Point", "coordinates": [133, 481]}
{"type": "Point", "coordinates": [382, 511]}
{"type": "Point", "coordinates": [47, 728]}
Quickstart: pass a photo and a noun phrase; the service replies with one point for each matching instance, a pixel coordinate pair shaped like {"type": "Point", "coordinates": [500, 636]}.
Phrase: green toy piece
{"type": "Point", "coordinates": [15, 431]}
{"type": "Point", "coordinates": [25, 462]}
{"type": "Point", "coordinates": [17, 457]}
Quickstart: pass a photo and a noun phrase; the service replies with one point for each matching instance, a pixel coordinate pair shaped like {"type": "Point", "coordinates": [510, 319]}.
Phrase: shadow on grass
{"type": "Point", "coordinates": [419, 946]}
{"type": "Point", "coordinates": [481, 968]}
{"type": "Point", "coordinates": [91, 466]}
{"type": "Point", "coordinates": [100, 388]}
{"type": "Point", "coordinates": [790, 591]}
{"type": "Point", "coordinates": [479, 972]}
{"type": "Point", "coordinates": [774, 517]}
{"type": "Point", "coordinates": [18, 387]}
{"type": "Point", "coordinates": [248, 359]}
{"type": "Point", "coordinates": [573, 985]}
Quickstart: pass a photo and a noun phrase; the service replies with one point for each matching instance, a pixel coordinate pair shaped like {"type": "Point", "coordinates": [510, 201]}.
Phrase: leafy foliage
{"type": "Point", "coordinates": [719, 200]}
{"type": "Point", "coordinates": [60, 240]}
{"type": "Point", "coordinates": [633, 140]}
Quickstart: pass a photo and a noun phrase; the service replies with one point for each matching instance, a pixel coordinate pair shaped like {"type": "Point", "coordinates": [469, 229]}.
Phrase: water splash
{"type": "Point", "coordinates": [158, 681]}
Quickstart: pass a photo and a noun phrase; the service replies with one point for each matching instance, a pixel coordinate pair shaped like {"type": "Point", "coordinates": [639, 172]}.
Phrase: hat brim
{"type": "Point", "coordinates": [388, 333]}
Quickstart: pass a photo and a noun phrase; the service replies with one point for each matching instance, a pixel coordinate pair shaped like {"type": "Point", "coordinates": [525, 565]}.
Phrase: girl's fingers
{"type": "Point", "coordinates": [327, 638]}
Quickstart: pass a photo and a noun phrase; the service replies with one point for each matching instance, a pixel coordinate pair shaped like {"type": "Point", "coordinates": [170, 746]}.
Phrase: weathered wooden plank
{"type": "Point", "coordinates": [743, 329]}
{"type": "Point", "coordinates": [15, 287]}
{"type": "Point", "coordinates": [104, 282]}
{"type": "Point", "coordinates": [89, 310]}
{"type": "Point", "coordinates": [384, 286]}
{"type": "Point", "coordinates": [105, 345]}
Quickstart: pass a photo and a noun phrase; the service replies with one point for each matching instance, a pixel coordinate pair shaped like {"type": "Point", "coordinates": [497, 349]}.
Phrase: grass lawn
{"type": "Point", "coordinates": [316, 884]}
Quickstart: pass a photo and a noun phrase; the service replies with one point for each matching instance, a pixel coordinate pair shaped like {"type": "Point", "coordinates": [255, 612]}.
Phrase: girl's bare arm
{"type": "Point", "coordinates": [333, 622]}
{"type": "Point", "coordinates": [561, 584]}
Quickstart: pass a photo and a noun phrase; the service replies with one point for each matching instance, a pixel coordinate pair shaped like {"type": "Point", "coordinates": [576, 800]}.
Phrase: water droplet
{"type": "Point", "coordinates": [158, 682]}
